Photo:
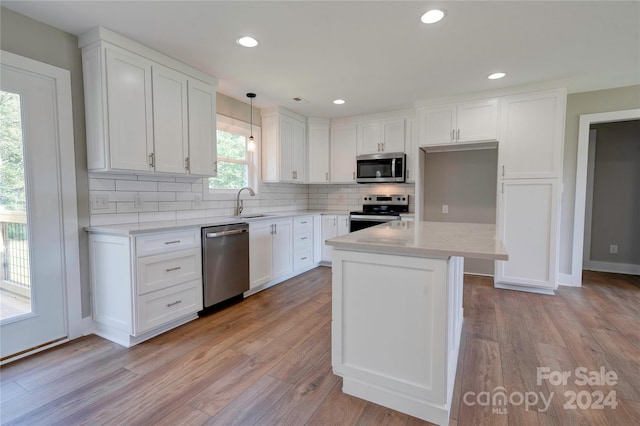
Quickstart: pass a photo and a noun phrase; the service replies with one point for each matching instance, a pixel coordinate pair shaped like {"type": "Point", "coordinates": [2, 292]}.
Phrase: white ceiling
{"type": "Point", "coordinates": [375, 54]}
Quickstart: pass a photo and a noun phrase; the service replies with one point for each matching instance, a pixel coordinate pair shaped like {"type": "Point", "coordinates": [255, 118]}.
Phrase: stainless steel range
{"type": "Point", "coordinates": [377, 209]}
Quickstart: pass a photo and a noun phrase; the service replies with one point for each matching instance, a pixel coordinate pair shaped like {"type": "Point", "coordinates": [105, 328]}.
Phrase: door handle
{"type": "Point", "coordinates": [225, 233]}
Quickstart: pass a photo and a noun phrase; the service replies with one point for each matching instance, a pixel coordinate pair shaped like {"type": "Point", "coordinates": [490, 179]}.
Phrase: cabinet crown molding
{"type": "Point", "coordinates": [101, 34]}
{"type": "Point", "coordinates": [267, 112]}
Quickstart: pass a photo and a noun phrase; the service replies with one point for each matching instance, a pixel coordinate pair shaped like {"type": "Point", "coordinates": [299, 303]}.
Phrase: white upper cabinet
{"type": "Point", "coordinates": [142, 114]}
{"type": "Point", "coordinates": [283, 146]}
{"type": "Point", "coordinates": [343, 153]}
{"type": "Point", "coordinates": [129, 107]}
{"type": "Point", "coordinates": [532, 134]}
{"type": "Point", "coordinates": [411, 132]}
{"type": "Point", "coordinates": [170, 123]}
{"type": "Point", "coordinates": [203, 156]}
{"type": "Point", "coordinates": [381, 136]}
{"type": "Point", "coordinates": [318, 148]}
{"type": "Point", "coordinates": [465, 122]}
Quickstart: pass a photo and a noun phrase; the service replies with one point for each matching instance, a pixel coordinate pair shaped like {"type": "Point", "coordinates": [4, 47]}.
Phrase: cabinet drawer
{"type": "Point", "coordinates": [167, 242]}
{"type": "Point", "coordinates": [302, 240]}
{"type": "Point", "coordinates": [301, 224]}
{"type": "Point", "coordinates": [165, 270]}
{"type": "Point", "coordinates": [160, 307]}
{"type": "Point", "coordinates": [302, 259]}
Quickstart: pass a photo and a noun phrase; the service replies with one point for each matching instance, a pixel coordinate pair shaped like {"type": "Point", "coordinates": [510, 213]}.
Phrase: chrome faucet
{"type": "Point", "coordinates": [239, 205]}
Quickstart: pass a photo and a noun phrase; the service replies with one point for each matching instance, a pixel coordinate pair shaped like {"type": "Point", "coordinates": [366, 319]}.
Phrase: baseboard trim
{"type": "Point", "coordinates": [616, 268]}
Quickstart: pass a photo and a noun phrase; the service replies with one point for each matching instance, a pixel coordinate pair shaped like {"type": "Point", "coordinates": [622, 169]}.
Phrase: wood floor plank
{"type": "Point", "coordinates": [235, 381]}
{"type": "Point", "coordinates": [184, 415]}
{"type": "Point", "coordinates": [481, 372]}
{"type": "Point", "coordinates": [298, 405]}
{"type": "Point", "coordinates": [338, 408]}
{"type": "Point", "coordinates": [377, 415]}
{"type": "Point", "coordinates": [250, 405]}
{"type": "Point", "coordinates": [10, 390]}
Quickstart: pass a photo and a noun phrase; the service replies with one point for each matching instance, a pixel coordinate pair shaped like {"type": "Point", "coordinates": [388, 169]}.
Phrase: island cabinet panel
{"type": "Point", "coordinates": [396, 329]}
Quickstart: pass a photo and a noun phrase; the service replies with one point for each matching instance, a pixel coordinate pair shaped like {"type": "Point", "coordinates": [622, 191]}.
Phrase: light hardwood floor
{"type": "Point", "coordinates": [267, 361]}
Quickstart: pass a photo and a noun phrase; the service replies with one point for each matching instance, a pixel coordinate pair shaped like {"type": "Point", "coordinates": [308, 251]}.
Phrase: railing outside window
{"type": "Point", "coordinates": [14, 251]}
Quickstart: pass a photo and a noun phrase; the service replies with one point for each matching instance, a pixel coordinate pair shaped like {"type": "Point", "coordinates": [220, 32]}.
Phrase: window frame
{"type": "Point", "coordinates": [232, 125]}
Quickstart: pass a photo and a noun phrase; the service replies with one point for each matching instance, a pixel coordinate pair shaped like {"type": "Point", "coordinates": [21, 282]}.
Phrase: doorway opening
{"type": "Point", "coordinates": [586, 121]}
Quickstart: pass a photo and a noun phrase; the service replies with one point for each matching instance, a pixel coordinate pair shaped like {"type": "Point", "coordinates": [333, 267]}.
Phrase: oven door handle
{"type": "Point", "coordinates": [371, 218]}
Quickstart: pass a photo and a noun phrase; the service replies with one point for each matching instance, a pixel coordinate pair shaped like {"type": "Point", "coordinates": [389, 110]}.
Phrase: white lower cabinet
{"type": "Point", "coordinates": [528, 217]}
{"type": "Point", "coordinates": [260, 236]}
{"type": "Point", "coordinates": [144, 285]}
{"type": "Point", "coordinates": [332, 226]}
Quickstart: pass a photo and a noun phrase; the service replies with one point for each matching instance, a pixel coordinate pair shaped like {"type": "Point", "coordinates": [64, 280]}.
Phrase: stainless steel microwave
{"type": "Point", "coordinates": [381, 168]}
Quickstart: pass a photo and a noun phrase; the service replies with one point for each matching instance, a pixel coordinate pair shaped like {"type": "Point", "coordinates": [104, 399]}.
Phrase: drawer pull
{"type": "Point", "coordinates": [303, 238]}
{"type": "Point", "coordinates": [172, 242]}
{"type": "Point", "coordinates": [303, 258]}
{"type": "Point", "coordinates": [302, 223]}
{"type": "Point", "coordinates": [174, 303]}
{"type": "Point", "coordinates": [173, 269]}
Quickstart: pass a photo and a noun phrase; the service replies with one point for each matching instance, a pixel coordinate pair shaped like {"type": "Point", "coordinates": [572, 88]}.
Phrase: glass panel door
{"type": "Point", "coordinates": [15, 275]}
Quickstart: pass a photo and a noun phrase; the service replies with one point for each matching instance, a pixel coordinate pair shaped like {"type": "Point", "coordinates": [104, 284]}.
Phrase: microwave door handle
{"type": "Point", "coordinates": [393, 168]}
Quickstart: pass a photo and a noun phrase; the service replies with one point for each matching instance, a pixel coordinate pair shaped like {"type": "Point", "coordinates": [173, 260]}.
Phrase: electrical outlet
{"type": "Point", "coordinates": [137, 201]}
{"type": "Point", "coordinates": [445, 208]}
{"type": "Point", "coordinates": [197, 202]}
{"type": "Point", "coordinates": [100, 202]}
{"type": "Point", "coordinates": [613, 249]}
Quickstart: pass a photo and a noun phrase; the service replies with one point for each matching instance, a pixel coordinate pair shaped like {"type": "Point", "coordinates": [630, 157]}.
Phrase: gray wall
{"type": "Point", "coordinates": [33, 39]}
{"type": "Point", "coordinates": [618, 99]}
{"type": "Point", "coordinates": [466, 182]}
{"type": "Point", "coordinates": [616, 193]}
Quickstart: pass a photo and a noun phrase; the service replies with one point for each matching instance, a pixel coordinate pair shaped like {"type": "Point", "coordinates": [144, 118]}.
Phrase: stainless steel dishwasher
{"type": "Point", "coordinates": [225, 262]}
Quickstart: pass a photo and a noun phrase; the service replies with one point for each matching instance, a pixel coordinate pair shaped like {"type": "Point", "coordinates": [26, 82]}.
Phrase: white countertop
{"type": "Point", "coordinates": [426, 239]}
{"type": "Point", "coordinates": [130, 229]}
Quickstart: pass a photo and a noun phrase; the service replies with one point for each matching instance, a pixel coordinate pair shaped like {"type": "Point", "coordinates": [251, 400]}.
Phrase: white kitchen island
{"type": "Point", "coordinates": [397, 311]}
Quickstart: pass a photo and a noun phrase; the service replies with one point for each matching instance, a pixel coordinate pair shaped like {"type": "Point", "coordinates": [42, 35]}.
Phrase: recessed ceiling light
{"type": "Point", "coordinates": [247, 41]}
{"type": "Point", "coordinates": [496, 75]}
{"type": "Point", "coordinates": [433, 16]}
{"type": "Point", "coordinates": [339, 101]}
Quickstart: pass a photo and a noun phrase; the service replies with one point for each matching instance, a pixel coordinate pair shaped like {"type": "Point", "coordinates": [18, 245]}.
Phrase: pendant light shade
{"type": "Point", "coordinates": [251, 145]}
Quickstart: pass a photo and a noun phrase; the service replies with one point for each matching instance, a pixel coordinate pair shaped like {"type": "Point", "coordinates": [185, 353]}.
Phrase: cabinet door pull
{"type": "Point", "coordinates": [303, 258]}
{"type": "Point", "coordinates": [334, 221]}
{"type": "Point", "coordinates": [502, 191]}
{"type": "Point", "coordinates": [382, 146]}
{"type": "Point", "coordinates": [174, 303]}
{"type": "Point", "coordinates": [453, 135]}
{"type": "Point", "coordinates": [186, 163]}
{"type": "Point", "coordinates": [503, 170]}
{"type": "Point", "coordinates": [303, 238]}
{"type": "Point", "coordinates": [275, 228]}
{"type": "Point", "coordinates": [172, 242]}
{"type": "Point", "coordinates": [271, 226]}
{"type": "Point", "coordinates": [302, 223]}
{"type": "Point", "coordinates": [177, 268]}
{"type": "Point", "coordinates": [326, 176]}
{"type": "Point", "coordinates": [458, 135]}
{"type": "Point", "coordinates": [407, 174]}
{"type": "Point", "coordinates": [152, 160]}
{"type": "Point", "coordinates": [354, 175]}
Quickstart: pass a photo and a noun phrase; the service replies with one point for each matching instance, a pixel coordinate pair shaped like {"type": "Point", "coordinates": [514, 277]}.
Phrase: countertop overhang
{"type": "Point", "coordinates": [426, 239]}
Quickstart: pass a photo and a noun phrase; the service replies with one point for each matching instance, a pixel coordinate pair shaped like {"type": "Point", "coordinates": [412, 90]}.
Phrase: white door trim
{"type": "Point", "coordinates": [76, 326]}
{"type": "Point", "coordinates": [586, 120]}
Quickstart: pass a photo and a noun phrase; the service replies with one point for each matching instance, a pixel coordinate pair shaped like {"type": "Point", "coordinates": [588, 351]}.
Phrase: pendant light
{"type": "Point", "coordinates": [251, 146]}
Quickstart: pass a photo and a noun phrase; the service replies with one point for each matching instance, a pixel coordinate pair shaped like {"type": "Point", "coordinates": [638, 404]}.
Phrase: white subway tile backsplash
{"type": "Point", "coordinates": [165, 206]}
{"type": "Point", "coordinates": [131, 208]}
{"type": "Point", "coordinates": [135, 185]}
{"type": "Point", "coordinates": [174, 186]}
{"type": "Point", "coordinates": [102, 184]}
{"type": "Point", "coordinates": [170, 198]}
{"type": "Point", "coordinates": [113, 219]}
{"type": "Point", "coordinates": [156, 216]}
